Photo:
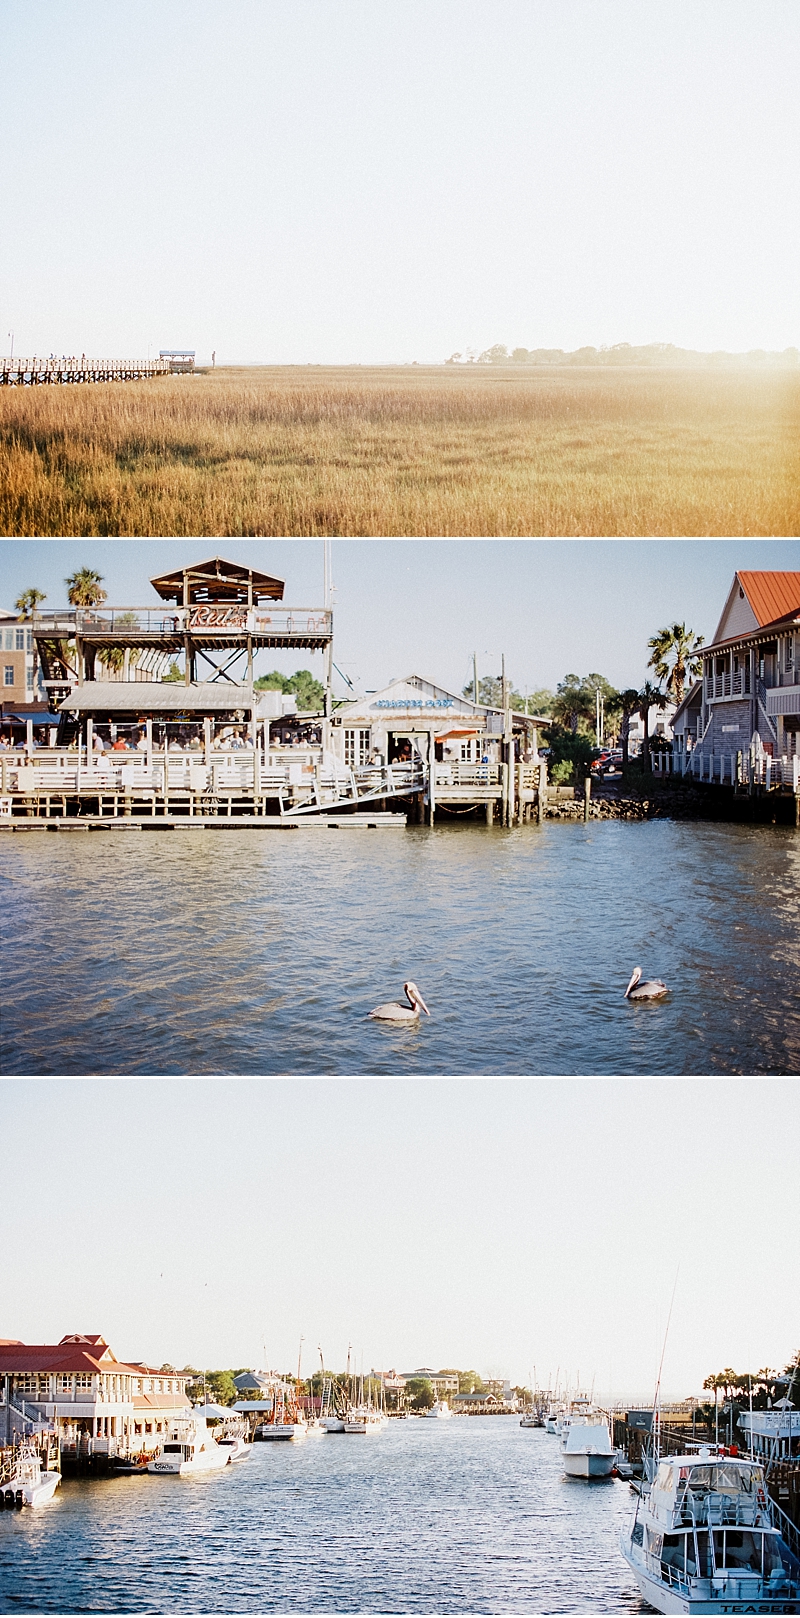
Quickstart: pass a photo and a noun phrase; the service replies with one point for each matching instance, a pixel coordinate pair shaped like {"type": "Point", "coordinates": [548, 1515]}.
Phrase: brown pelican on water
{"type": "Point", "coordinates": [636, 990]}
{"type": "Point", "coordinates": [396, 1011]}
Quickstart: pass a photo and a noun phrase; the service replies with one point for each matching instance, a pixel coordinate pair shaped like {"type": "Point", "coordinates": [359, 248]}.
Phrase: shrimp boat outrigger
{"type": "Point", "coordinates": [705, 1538]}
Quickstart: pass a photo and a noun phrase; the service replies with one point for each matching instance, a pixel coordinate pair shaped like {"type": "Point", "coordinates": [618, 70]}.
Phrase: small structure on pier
{"type": "Point", "coordinates": [179, 360]}
{"type": "Point", "coordinates": [473, 756]}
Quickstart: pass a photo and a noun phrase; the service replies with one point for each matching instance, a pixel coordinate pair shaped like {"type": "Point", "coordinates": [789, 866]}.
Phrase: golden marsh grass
{"type": "Point", "coordinates": [300, 451]}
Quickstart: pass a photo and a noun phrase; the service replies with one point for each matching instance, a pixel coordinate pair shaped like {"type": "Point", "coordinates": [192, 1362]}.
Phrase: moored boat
{"type": "Point", "coordinates": [440, 1411]}
{"type": "Point", "coordinates": [705, 1537]}
{"type": "Point", "coordinates": [190, 1448]}
{"type": "Point", "coordinates": [587, 1447]}
{"type": "Point", "coordinates": [28, 1484]}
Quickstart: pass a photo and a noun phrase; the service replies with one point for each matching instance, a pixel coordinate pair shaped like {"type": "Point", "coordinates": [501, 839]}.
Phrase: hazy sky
{"type": "Point", "coordinates": [485, 1224]}
{"type": "Point", "coordinates": [344, 181]}
{"type": "Point", "coordinates": [423, 606]}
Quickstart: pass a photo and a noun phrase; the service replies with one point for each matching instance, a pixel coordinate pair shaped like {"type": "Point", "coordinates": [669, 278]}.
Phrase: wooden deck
{"type": "Point", "coordinates": [55, 372]}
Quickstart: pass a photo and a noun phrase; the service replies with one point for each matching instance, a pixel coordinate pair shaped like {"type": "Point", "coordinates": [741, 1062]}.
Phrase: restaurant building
{"type": "Point", "coordinates": [96, 1404]}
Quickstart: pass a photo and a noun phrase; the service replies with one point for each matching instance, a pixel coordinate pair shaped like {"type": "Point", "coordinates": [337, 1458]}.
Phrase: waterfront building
{"type": "Point", "coordinates": [749, 711]}
{"type": "Point", "coordinates": [95, 1403]}
{"type": "Point", "coordinates": [442, 1382]}
{"type": "Point", "coordinates": [774, 1433]}
{"type": "Point", "coordinates": [21, 679]}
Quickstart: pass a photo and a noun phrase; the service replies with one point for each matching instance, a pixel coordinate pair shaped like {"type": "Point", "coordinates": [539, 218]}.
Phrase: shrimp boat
{"type": "Point", "coordinates": [364, 1419]}
{"type": "Point", "coordinates": [28, 1484]}
{"type": "Point", "coordinates": [286, 1421]}
{"type": "Point", "coordinates": [706, 1538]}
{"type": "Point", "coordinates": [190, 1448]}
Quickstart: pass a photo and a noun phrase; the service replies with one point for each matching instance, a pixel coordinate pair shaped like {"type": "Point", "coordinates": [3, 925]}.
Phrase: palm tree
{"type": "Point", "coordinates": [28, 601]}
{"type": "Point", "coordinates": [674, 657]}
{"type": "Point", "coordinates": [85, 588]}
{"type": "Point", "coordinates": [649, 697]}
{"type": "Point", "coordinates": [629, 703]}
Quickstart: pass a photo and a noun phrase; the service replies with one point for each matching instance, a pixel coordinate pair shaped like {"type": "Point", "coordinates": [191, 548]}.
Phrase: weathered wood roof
{"type": "Point", "coordinates": [217, 580]}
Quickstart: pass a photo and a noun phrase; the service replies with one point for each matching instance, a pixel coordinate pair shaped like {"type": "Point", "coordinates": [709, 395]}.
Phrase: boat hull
{"type": "Point", "coordinates": [290, 1431]}
{"type": "Point", "coordinates": [588, 1466]}
{"type": "Point", "coordinates": [333, 1424]}
{"type": "Point", "coordinates": [737, 1596]}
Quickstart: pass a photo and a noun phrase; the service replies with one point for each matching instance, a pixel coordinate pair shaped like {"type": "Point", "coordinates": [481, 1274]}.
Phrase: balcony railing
{"type": "Point", "coordinates": [202, 618]}
{"type": "Point", "coordinates": [727, 685]}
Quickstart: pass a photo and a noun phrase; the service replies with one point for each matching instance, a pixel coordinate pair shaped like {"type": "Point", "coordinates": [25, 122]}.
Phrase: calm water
{"type": "Point", "coordinates": [472, 1515]}
{"type": "Point", "coordinates": [262, 952]}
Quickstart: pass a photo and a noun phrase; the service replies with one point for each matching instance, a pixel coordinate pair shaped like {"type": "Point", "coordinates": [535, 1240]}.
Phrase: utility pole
{"type": "Point", "coordinates": [475, 677]}
{"type": "Point", "coordinates": [11, 335]}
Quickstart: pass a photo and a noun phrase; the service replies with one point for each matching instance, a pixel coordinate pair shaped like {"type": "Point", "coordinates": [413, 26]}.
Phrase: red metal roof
{"type": "Point", "coordinates": [771, 595]}
{"type": "Point", "coordinates": [65, 1356]}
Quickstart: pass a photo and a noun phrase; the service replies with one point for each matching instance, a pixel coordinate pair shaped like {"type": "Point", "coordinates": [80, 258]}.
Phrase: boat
{"type": "Point", "coordinates": [189, 1448]}
{"type": "Point", "coordinates": [440, 1411]}
{"type": "Point", "coordinates": [586, 1446]}
{"type": "Point", "coordinates": [364, 1419]}
{"type": "Point", "coordinates": [286, 1421]}
{"type": "Point", "coordinates": [705, 1537]}
{"type": "Point", "coordinates": [239, 1448]}
{"type": "Point", "coordinates": [531, 1421]}
{"type": "Point", "coordinates": [28, 1484]}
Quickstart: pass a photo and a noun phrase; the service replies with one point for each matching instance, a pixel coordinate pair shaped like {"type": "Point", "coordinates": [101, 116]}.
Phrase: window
{"type": "Point", "coordinates": [26, 1383]}
{"type": "Point", "coordinates": [20, 640]}
{"type": "Point", "coordinates": [83, 1380]}
{"type": "Point", "coordinates": [356, 748]}
{"type": "Point", "coordinates": [65, 1382]}
{"type": "Point", "coordinates": [8, 643]}
{"type": "Point", "coordinates": [29, 641]}
{"type": "Point", "coordinates": [8, 674]}
{"type": "Point", "coordinates": [29, 679]}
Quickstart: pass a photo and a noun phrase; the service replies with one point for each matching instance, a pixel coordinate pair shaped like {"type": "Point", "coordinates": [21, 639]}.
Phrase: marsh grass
{"type": "Point", "coordinates": [405, 451]}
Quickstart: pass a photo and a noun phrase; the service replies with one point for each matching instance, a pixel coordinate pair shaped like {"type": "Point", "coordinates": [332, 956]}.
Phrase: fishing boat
{"type": "Point", "coordinates": [286, 1421]}
{"type": "Point", "coordinates": [364, 1419]}
{"type": "Point", "coordinates": [705, 1537]}
{"type": "Point", "coordinates": [189, 1448]}
{"type": "Point", "coordinates": [586, 1446]}
{"type": "Point", "coordinates": [531, 1420]}
{"type": "Point", "coordinates": [440, 1411]}
{"type": "Point", "coordinates": [28, 1483]}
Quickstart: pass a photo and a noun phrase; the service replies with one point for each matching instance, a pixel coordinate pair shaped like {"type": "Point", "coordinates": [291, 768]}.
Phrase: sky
{"type": "Point", "coordinates": [494, 1225]}
{"type": "Point", "coordinates": [553, 607]}
{"type": "Point", "coordinates": [335, 181]}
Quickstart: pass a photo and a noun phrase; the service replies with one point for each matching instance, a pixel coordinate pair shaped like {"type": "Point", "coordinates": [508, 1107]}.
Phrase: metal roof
{"type": "Point", "coordinates": [771, 595]}
{"type": "Point", "coordinates": [167, 697]}
{"type": "Point", "coordinates": [217, 580]}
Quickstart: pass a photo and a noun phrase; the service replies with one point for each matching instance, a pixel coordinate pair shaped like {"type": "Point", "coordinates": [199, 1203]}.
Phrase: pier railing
{"type": "Point", "coordinates": [18, 371]}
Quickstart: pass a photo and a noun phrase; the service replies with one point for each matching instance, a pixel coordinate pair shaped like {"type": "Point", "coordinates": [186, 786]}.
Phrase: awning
{"type": "Point", "coordinates": [162, 697]}
{"type": "Point", "coordinates": [43, 718]}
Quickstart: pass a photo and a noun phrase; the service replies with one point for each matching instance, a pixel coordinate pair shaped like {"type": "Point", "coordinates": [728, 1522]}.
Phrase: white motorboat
{"type": "Point", "coordinates": [332, 1424]}
{"type": "Point", "coordinates": [28, 1483]}
{"type": "Point", "coordinates": [531, 1421]}
{"type": "Point", "coordinates": [706, 1538]}
{"type": "Point", "coordinates": [238, 1447]}
{"type": "Point", "coordinates": [190, 1448]}
{"type": "Point", "coordinates": [586, 1446]}
{"type": "Point", "coordinates": [291, 1430]}
{"type": "Point", "coordinates": [440, 1411]}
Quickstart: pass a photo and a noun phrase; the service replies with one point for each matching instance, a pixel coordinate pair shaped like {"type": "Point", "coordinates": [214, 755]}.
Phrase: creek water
{"type": "Point", "coordinates": [470, 1515]}
{"type": "Point", "coordinates": [246, 952]}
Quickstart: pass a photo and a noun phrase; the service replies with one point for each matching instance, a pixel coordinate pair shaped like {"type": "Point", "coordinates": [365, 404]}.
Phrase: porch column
{"type": "Point", "coordinates": [431, 778]}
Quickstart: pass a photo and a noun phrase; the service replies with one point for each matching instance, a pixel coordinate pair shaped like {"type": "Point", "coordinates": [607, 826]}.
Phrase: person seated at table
{"type": "Point", "coordinates": [174, 746]}
{"type": "Point", "coordinates": [120, 745]}
{"type": "Point", "coordinates": [98, 745]}
{"type": "Point", "coordinates": [141, 745]}
{"type": "Point", "coordinates": [195, 745]}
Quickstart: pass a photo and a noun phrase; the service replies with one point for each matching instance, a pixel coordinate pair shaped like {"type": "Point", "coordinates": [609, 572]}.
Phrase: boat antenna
{"type": "Point", "coordinates": [660, 1369]}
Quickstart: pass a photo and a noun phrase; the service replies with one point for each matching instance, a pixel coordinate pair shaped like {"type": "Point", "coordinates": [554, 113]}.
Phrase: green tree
{"type": "Point", "coordinates": [85, 588]}
{"type": "Point", "coordinates": [674, 658]}
{"type": "Point", "coordinates": [573, 703]}
{"type": "Point", "coordinates": [28, 601]}
{"type": "Point", "coordinates": [421, 1393]}
{"type": "Point", "coordinates": [470, 1382]}
{"type": "Point", "coordinates": [496, 355]}
{"type": "Point", "coordinates": [571, 754]}
{"type": "Point", "coordinates": [174, 673]}
{"type": "Point", "coordinates": [221, 1386]}
{"type": "Point", "coordinates": [310, 692]}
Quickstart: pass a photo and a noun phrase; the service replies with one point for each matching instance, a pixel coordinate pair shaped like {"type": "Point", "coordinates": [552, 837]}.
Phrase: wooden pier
{"type": "Point", "coordinates": [55, 371]}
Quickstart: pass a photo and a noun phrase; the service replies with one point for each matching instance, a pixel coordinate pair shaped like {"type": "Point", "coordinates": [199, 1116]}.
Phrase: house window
{"type": "Point", "coordinates": [65, 1382]}
{"type": "Point", "coordinates": [137, 1427]}
{"type": "Point", "coordinates": [8, 674]}
{"type": "Point", "coordinates": [83, 1380]}
{"type": "Point", "coordinates": [26, 1383]}
{"type": "Point", "coordinates": [8, 642]}
{"type": "Point", "coordinates": [29, 641]}
{"type": "Point", "coordinates": [29, 679]}
{"type": "Point", "coordinates": [356, 748]}
{"type": "Point", "coordinates": [20, 640]}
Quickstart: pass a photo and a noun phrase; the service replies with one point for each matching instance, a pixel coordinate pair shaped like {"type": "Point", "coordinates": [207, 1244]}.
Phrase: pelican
{"type": "Point", "coordinates": [636, 990]}
{"type": "Point", "coordinates": [396, 1011]}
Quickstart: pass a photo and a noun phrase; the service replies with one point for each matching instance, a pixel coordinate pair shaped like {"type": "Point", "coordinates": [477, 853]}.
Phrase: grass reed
{"type": "Point", "coordinates": [405, 451]}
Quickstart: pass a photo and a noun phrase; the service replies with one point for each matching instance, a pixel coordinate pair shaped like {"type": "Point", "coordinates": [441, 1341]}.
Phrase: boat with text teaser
{"type": "Point", "coordinates": [189, 1448]}
{"type": "Point", "coordinates": [706, 1537]}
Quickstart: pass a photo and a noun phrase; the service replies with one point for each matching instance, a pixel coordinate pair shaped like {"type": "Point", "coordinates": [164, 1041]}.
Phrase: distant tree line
{"type": "Point", "coordinates": [653, 354]}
